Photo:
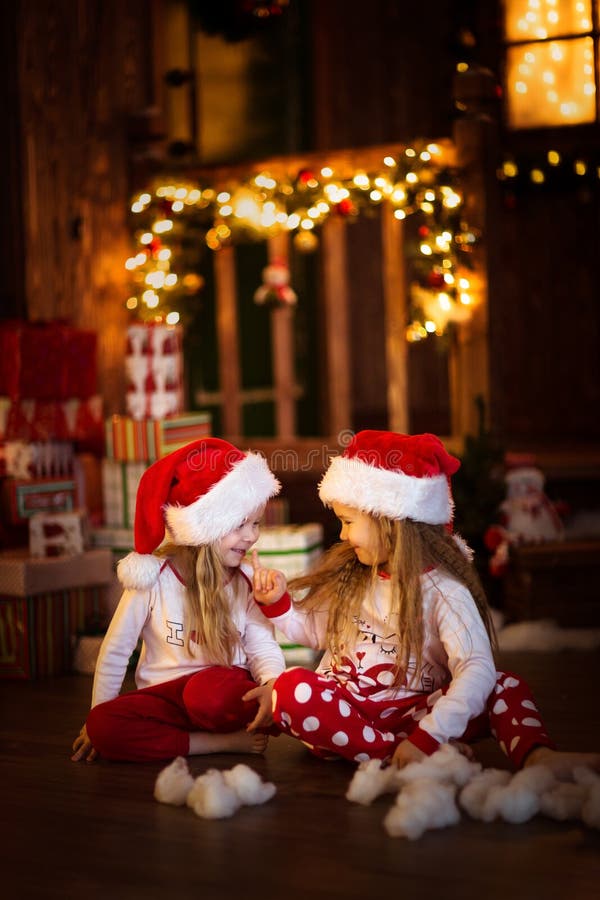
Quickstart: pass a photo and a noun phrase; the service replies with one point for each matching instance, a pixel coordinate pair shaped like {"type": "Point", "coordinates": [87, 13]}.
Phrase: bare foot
{"type": "Point", "coordinates": [202, 742]}
{"type": "Point", "coordinates": [562, 763]}
{"type": "Point", "coordinates": [465, 749]}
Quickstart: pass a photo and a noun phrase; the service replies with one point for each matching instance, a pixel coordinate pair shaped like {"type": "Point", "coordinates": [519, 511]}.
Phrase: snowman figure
{"type": "Point", "coordinates": [528, 517]}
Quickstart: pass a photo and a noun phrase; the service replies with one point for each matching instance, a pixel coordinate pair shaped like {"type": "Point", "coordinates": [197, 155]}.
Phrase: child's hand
{"type": "Point", "coordinates": [263, 695]}
{"type": "Point", "coordinates": [406, 753]}
{"type": "Point", "coordinates": [269, 584]}
{"type": "Point", "coordinates": [83, 747]}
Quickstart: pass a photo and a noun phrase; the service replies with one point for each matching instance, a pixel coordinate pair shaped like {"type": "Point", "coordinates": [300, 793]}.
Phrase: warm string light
{"type": "Point", "coordinates": [552, 167]}
{"type": "Point", "coordinates": [263, 205]}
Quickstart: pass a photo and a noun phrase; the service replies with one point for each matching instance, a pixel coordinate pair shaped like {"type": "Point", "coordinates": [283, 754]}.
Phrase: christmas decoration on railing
{"type": "Point", "coordinates": [275, 290]}
{"type": "Point", "coordinates": [174, 218]}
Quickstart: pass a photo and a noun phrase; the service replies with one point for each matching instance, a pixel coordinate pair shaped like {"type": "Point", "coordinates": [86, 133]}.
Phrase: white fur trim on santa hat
{"type": "Point", "coordinates": [246, 487]}
{"type": "Point", "coordinates": [382, 492]}
{"type": "Point", "coordinates": [139, 571]}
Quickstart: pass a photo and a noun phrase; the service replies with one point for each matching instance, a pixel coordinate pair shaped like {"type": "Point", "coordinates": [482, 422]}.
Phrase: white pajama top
{"type": "Point", "coordinates": [158, 615]}
{"type": "Point", "coordinates": [456, 651]}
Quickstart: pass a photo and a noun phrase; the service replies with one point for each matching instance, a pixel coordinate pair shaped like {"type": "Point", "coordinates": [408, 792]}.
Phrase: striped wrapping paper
{"type": "Point", "coordinates": [37, 633]}
{"type": "Point", "coordinates": [146, 440]}
{"type": "Point", "coordinates": [120, 482]}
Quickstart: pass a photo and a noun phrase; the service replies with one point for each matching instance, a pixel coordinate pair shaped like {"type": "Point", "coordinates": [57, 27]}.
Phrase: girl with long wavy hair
{"type": "Point", "coordinates": [208, 657]}
{"type": "Point", "coordinates": [398, 609]}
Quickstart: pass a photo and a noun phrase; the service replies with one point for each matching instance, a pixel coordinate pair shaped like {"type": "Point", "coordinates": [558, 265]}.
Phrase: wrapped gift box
{"type": "Point", "coordinates": [47, 361]}
{"type": "Point", "coordinates": [118, 540]}
{"type": "Point", "coordinates": [293, 549]}
{"type": "Point", "coordinates": [21, 499]}
{"type": "Point", "coordinates": [147, 440]}
{"type": "Point", "coordinates": [44, 604]}
{"type": "Point", "coordinates": [120, 482]}
{"type": "Point", "coordinates": [57, 534]}
{"type": "Point", "coordinates": [154, 369]}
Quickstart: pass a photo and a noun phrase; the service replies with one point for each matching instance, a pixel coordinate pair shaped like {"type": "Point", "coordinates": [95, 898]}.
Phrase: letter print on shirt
{"type": "Point", "coordinates": [175, 635]}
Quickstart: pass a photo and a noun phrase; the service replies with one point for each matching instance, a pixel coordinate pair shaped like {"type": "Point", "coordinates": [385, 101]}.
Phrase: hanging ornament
{"type": "Point", "coordinates": [275, 290]}
{"type": "Point", "coordinates": [306, 176]}
{"type": "Point", "coordinates": [345, 207]}
{"type": "Point", "coordinates": [306, 241]}
{"type": "Point", "coordinates": [435, 279]}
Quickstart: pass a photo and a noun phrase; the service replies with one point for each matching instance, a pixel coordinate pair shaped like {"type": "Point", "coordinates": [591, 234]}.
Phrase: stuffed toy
{"type": "Point", "coordinates": [527, 517]}
{"type": "Point", "coordinates": [275, 289]}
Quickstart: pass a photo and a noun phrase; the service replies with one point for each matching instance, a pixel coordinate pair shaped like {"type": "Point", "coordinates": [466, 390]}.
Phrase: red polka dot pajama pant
{"type": "Point", "coordinates": [334, 721]}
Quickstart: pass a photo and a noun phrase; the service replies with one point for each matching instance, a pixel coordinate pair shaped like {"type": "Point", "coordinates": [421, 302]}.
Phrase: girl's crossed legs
{"type": "Point", "coordinates": [198, 713]}
{"type": "Point", "coordinates": [333, 721]}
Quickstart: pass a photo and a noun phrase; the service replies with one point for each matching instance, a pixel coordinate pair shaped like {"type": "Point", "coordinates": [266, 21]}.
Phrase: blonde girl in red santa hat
{"type": "Point", "coordinates": [208, 657]}
{"type": "Point", "coordinates": [401, 615]}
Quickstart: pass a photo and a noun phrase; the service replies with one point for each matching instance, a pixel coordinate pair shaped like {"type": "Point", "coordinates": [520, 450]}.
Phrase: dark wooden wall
{"type": "Point", "coordinates": [76, 72]}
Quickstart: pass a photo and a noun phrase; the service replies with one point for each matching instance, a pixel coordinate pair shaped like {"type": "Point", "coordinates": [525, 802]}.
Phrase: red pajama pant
{"type": "Point", "coordinates": [331, 720]}
{"type": "Point", "coordinates": [155, 722]}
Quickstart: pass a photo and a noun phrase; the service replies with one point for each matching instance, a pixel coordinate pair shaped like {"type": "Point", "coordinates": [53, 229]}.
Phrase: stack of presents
{"type": "Point", "coordinates": [68, 483]}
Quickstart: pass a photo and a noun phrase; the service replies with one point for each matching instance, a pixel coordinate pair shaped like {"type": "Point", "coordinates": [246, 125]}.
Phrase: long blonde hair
{"type": "Point", "coordinates": [209, 617]}
{"type": "Point", "coordinates": [340, 582]}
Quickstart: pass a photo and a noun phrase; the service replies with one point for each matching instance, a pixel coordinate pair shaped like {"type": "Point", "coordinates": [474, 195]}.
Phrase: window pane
{"type": "Point", "coordinates": [539, 19]}
{"type": "Point", "coordinates": [551, 84]}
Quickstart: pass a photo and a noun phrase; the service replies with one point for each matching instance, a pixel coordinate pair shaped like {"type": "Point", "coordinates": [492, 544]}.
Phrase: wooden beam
{"type": "Point", "coordinates": [396, 306]}
{"type": "Point", "coordinates": [337, 325]}
{"type": "Point", "coordinates": [228, 341]}
{"type": "Point", "coordinates": [282, 351]}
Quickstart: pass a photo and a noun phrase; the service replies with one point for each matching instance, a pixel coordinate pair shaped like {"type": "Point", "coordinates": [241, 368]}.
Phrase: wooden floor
{"type": "Point", "coordinates": [89, 831]}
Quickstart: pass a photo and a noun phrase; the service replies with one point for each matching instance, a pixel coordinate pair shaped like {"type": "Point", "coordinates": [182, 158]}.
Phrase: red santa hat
{"type": "Point", "coordinates": [197, 494]}
{"type": "Point", "coordinates": [400, 476]}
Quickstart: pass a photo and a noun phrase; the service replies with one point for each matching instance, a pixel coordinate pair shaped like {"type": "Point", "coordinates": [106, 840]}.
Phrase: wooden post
{"type": "Point", "coordinates": [282, 352]}
{"type": "Point", "coordinates": [337, 324]}
{"type": "Point", "coordinates": [475, 140]}
{"type": "Point", "coordinates": [227, 339]}
{"type": "Point", "coordinates": [396, 303]}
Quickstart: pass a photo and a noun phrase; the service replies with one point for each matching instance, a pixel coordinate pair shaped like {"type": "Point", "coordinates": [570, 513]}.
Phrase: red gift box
{"type": "Point", "coordinates": [49, 361]}
{"type": "Point", "coordinates": [10, 357]}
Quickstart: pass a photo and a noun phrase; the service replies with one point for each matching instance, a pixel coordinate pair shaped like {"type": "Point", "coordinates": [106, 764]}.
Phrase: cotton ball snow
{"type": "Point", "coordinates": [590, 811]}
{"type": "Point", "coordinates": [446, 764]}
{"type": "Point", "coordinates": [211, 797]}
{"type": "Point", "coordinates": [473, 796]}
{"type": "Point", "coordinates": [248, 785]}
{"type": "Point", "coordinates": [421, 805]}
{"type": "Point", "coordinates": [174, 783]}
{"type": "Point", "coordinates": [370, 780]}
{"type": "Point", "coordinates": [564, 801]}
{"type": "Point", "coordinates": [494, 794]}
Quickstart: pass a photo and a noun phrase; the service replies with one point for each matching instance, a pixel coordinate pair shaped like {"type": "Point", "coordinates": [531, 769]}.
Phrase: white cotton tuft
{"type": "Point", "coordinates": [174, 783]}
{"type": "Point", "coordinates": [248, 785]}
{"type": "Point", "coordinates": [371, 780]}
{"type": "Point", "coordinates": [590, 810]}
{"type": "Point", "coordinates": [564, 801]}
{"type": "Point", "coordinates": [519, 799]}
{"type": "Point", "coordinates": [420, 806]}
{"type": "Point", "coordinates": [473, 796]}
{"type": "Point", "coordinates": [446, 764]}
{"type": "Point", "coordinates": [211, 797]}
